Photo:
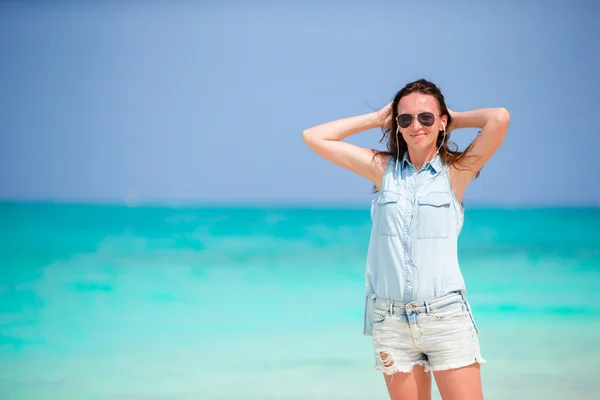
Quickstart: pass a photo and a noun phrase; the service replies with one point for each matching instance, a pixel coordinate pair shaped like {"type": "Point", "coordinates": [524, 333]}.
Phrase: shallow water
{"type": "Point", "coordinates": [107, 302]}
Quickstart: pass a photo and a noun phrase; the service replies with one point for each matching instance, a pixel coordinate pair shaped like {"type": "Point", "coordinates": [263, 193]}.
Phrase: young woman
{"type": "Point", "coordinates": [416, 310]}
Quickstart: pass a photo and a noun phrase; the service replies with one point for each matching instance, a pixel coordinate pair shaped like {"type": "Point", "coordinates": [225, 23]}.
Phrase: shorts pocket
{"type": "Point", "coordinates": [379, 317]}
{"type": "Point", "coordinates": [452, 310]}
{"type": "Point", "coordinates": [387, 214]}
{"type": "Point", "coordinates": [433, 215]}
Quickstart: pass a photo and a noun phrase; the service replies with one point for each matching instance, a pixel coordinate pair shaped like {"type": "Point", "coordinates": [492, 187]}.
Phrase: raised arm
{"type": "Point", "coordinates": [493, 123]}
{"type": "Point", "coordinates": [326, 141]}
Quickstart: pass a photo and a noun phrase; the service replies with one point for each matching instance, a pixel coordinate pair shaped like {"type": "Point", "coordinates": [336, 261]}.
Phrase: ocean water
{"type": "Point", "coordinates": [115, 302]}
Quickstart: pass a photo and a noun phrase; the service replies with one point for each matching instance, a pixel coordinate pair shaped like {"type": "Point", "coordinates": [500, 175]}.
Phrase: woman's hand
{"type": "Point", "coordinates": [454, 116]}
{"type": "Point", "coordinates": [384, 116]}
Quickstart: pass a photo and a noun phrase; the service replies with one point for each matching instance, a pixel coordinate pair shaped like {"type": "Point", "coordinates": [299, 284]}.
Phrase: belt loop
{"type": "Point", "coordinates": [391, 310]}
{"type": "Point", "coordinates": [427, 308]}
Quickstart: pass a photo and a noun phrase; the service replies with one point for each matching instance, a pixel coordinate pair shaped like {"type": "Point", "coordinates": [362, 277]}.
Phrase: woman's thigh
{"type": "Point", "coordinates": [414, 385]}
{"type": "Point", "coordinates": [460, 383]}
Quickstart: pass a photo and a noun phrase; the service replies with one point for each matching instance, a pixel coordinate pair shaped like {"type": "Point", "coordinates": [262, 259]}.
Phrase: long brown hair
{"type": "Point", "coordinates": [449, 153]}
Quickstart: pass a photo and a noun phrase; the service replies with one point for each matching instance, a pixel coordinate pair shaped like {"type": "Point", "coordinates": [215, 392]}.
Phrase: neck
{"type": "Point", "coordinates": [418, 157]}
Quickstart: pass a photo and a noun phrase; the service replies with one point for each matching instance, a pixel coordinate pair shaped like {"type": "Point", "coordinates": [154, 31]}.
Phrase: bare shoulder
{"type": "Point", "coordinates": [459, 180]}
{"type": "Point", "coordinates": [372, 166]}
{"type": "Point", "coordinates": [381, 161]}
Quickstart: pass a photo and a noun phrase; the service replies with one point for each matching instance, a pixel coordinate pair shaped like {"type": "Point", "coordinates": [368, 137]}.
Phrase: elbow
{"type": "Point", "coordinates": [503, 116]}
{"type": "Point", "coordinates": [502, 120]}
{"type": "Point", "coordinates": [306, 136]}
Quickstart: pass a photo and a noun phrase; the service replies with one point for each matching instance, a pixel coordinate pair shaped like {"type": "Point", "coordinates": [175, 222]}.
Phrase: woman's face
{"type": "Point", "coordinates": [422, 112]}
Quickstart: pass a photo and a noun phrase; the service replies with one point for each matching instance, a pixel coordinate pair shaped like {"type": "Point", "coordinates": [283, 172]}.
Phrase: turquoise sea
{"type": "Point", "coordinates": [116, 302]}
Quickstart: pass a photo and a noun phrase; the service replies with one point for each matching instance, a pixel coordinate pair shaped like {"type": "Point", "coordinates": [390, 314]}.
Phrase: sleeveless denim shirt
{"type": "Point", "coordinates": [412, 252]}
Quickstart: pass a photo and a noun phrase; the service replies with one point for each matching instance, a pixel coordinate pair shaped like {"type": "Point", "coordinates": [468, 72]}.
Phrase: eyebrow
{"type": "Point", "coordinates": [405, 112]}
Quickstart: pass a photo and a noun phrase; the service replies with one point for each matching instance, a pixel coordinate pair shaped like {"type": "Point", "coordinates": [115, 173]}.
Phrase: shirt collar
{"type": "Point", "coordinates": [435, 164]}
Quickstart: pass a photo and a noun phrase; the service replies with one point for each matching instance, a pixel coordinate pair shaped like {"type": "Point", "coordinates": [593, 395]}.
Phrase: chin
{"type": "Point", "coordinates": [422, 144]}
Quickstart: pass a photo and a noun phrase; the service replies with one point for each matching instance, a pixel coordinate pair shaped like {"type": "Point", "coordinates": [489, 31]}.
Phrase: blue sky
{"type": "Point", "coordinates": [206, 102]}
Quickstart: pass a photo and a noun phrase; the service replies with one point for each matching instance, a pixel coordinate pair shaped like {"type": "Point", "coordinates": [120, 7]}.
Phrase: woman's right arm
{"type": "Point", "coordinates": [326, 141]}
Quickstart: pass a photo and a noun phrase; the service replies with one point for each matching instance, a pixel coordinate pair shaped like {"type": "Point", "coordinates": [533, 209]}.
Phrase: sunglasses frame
{"type": "Point", "coordinates": [412, 119]}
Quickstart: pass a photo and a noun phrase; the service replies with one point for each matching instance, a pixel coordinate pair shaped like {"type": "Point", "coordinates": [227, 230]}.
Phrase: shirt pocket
{"type": "Point", "coordinates": [433, 215]}
{"type": "Point", "coordinates": [387, 215]}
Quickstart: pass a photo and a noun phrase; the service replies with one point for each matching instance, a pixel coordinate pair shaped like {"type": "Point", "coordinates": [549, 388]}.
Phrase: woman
{"type": "Point", "coordinates": [416, 310]}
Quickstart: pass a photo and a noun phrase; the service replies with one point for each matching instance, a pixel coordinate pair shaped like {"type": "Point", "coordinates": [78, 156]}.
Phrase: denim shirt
{"type": "Point", "coordinates": [412, 252]}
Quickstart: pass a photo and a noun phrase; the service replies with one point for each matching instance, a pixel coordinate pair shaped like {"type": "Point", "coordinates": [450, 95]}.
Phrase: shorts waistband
{"type": "Point", "coordinates": [419, 306]}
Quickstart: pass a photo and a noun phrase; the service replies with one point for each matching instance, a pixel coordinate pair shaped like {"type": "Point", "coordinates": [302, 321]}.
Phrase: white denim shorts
{"type": "Point", "coordinates": [439, 334]}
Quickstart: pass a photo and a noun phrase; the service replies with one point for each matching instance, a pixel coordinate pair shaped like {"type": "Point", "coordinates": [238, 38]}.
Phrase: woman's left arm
{"type": "Point", "coordinates": [493, 123]}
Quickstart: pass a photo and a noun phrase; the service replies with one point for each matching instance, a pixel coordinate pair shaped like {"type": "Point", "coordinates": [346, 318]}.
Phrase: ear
{"type": "Point", "coordinates": [444, 123]}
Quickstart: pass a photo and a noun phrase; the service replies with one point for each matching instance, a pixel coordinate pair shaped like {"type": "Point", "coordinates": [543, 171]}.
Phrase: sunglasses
{"type": "Point", "coordinates": [425, 118]}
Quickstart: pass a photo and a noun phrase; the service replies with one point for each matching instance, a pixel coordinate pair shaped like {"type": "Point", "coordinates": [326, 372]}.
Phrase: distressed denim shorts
{"type": "Point", "coordinates": [439, 334]}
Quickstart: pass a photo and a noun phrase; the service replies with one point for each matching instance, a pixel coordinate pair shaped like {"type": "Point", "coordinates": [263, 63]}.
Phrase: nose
{"type": "Point", "coordinates": [416, 125]}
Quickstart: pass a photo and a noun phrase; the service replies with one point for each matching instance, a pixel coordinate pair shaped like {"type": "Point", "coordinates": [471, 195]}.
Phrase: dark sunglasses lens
{"type": "Point", "coordinates": [404, 120]}
{"type": "Point", "coordinates": [426, 118]}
